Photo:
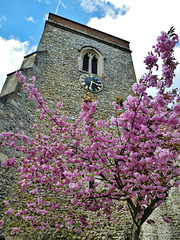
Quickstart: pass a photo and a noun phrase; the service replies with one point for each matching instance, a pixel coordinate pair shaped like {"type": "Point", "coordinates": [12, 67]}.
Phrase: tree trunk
{"type": "Point", "coordinates": [135, 232]}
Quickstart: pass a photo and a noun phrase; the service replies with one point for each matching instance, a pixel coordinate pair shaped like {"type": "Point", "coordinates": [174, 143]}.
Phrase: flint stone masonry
{"type": "Point", "coordinates": [56, 67]}
{"type": "Point", "coordinates": [160, 230]}
{"type": "Point", "coordinates": [10, 85]}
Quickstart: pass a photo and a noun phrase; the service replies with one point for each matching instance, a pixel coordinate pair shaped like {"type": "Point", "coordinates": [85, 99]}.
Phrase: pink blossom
{"type": "Point", "coordinates": [1, 222]}
{"type": "Point", "coordinates": [32, 79]}
{"type": "Point", "coordinates": [176, 183]}
{"type": "Point", "coordinates": [97, 223]}
{"type": "Point", "coordinates": [9, 211]}
{"type": "Point", "coordinates": [18, 74]}
{"type": "Point", "coordinates": [35, 126]}
{"type": "Point", "coordinates": [75, 186]}
{"type": "Point", "coordinates": [59, 184]}
{"type": "Point", "coordinates": [177, 107]}
{"type": "Point", "coordinates": [5, 203]}
{"type": "Point", "coordinates": [34, 191]}
{"type": "Point", "coordinates": [33, 222]}
{"type": "Point", "coordinates": [173, 120]}
{"type": "Point", "coordinates": [166, 219]}
{"type": "Point", "coordinates": [21, 79]}
{"type": "Point", "coordinates": [138, 88]}
{"type": "Point", "coordinates": [119, 208]}
{"type": "Point", "coordinates": [160, 100]}
{"type": "Point", "coordinates": [149, 221]}
{"type": "Point", "coordinates": [151, 61]}
{"type": "Point", "coordinates": [15, 230]}
{"type": "Point", "coordinates": [57, 225]}
{"type": "Point", "coordinates": [59, 105]}
{"type": "Point", "coordinates": [74, 200]}
{"type": "Point", "coordinates": [9, 162]}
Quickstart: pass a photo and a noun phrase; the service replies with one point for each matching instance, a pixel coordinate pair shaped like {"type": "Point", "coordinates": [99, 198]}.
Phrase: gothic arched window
{"type": "Point", "coordinates": [91, 61]}
{"type": "Point", "coordinates": [85, 63]}
{"type": "Point", "coordinates": [94, 65]}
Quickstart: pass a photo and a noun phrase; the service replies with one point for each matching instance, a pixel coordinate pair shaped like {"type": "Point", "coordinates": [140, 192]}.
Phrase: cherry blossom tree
{"type": "Point", "coordinates": [96, 164]}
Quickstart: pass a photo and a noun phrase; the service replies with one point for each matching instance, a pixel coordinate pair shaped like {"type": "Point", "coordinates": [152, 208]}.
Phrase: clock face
{"type": "Point", "coordinates": [91, 83]}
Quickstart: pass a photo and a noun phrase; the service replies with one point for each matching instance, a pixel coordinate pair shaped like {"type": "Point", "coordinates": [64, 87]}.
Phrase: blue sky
{"type": "Point", "coordinates": [138, 21]}
{"type": "Point", "coordinates": [24, 19]}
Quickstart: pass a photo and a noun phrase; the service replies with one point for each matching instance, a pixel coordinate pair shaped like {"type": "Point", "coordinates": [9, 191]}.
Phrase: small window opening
{"type": "Point", "coordinates": [94, 65]}
{"type": "Point", "coordinates": [91, 61]}
{"type": "Point", "coordinates": [86, 63]}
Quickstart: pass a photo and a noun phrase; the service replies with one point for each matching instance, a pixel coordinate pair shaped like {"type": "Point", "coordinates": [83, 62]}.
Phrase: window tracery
{"type": "Point", "coordinates": [91, 61]}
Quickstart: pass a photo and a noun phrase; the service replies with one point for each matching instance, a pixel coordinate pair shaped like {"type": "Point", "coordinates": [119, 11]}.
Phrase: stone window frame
{"type": "Point", "coordinates": [92, 52]}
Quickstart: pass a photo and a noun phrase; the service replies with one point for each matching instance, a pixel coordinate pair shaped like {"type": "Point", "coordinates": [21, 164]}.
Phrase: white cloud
{"type": "Point", "coordinates": [45, 1]}
{"type": "Point", "coordinates": [89, 5]}
{"type": "Point", "coordinates": [30, 19]}
{"type": "Point", "coordinates": [2, 19]}
{"type": "Point", "coordinates": [63, 5]}
{"type": "Point", "coordinates": [108, 8]}
{"type": "Point", "coordinates": [45, 17]}
{"type": "Point", "coordinates": [12, 54]}
{"type": "Point", "coordinates": [140, 25]}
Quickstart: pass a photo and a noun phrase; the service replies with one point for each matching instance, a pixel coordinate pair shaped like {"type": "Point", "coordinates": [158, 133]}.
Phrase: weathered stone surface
{"type": "Point", "coordinates": [14, 103]}
{"type": "Point", "coordinates": [10, 85]}
{"type": "Point", "coordinates": [29, 61]}
{"type": "Point", "coordinates": [3, 157]}
{"type": "Point", "coordinates": [1, 124]}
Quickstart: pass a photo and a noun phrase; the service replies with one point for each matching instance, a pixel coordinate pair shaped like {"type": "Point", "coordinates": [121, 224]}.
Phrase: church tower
{"type": "Point", "coordinates": [72, 60]}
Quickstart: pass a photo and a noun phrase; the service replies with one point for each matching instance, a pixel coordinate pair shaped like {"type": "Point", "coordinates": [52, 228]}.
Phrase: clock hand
{"type": "Point", "coordinates": [95, 83]}
{"type": "Point", "coordinates": [90, 87]}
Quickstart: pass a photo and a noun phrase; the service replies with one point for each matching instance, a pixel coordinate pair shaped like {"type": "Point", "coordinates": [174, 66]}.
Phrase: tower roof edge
{"type": "Point", "coordinates": [88, 30]}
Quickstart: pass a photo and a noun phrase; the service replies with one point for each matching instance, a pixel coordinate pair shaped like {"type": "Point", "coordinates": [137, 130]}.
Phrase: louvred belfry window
{"type": "Point", "coordinates": [94, 65]}
{"type": "Point", "coordinates": [85, 63]}
{"type": "Point", "coordinates": [91, 61]}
